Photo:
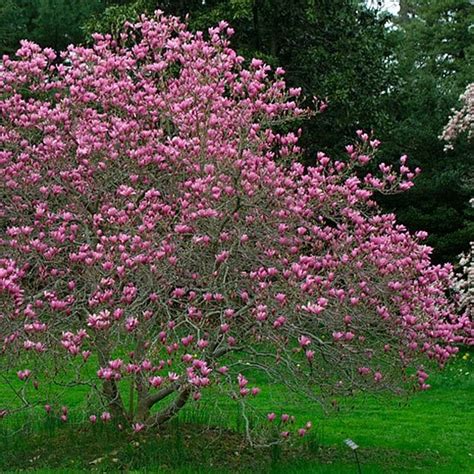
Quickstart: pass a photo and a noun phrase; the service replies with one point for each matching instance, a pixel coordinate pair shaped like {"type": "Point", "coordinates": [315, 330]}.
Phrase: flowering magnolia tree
{"type": "Point", "coordinates": [159, 238]}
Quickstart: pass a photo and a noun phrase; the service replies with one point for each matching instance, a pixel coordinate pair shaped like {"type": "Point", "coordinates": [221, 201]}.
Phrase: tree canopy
{"type": "Point", "coordinates": [161, 235]}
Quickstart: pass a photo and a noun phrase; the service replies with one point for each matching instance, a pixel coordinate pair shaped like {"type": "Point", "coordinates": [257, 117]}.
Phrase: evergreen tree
{"type": "Point", "coordinates": [434, 54]}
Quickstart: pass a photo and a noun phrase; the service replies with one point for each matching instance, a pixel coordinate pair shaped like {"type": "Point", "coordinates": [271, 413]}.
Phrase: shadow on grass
{"type": "Point", "coordinates": [184, 447]}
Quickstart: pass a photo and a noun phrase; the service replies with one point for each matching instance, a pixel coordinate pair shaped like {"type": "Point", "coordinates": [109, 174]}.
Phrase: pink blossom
{"type": "Point", "coordinates": [155, 381]}
{"type": "Point", "coordinates": [131, 324]}
{"type": "Point", "coordinates": [173, 376]}
{"type": "Point", "coordinates": [280, 297]}
{"type": "Point", "coordinates": [115, 364]}
{"type": "Point", "coordinates": [137, 427]}
{"type": "Point", "coordinates": [304, 341]}
{"type": "Point", "coordinates": [202, 344]}
{"type": "Point", "coordinates": [223, 256]}
{"type": "Point", "coordinates": [242, 381]}
{"type": "Point", "coordinates": [224, 328]}
{"type": "Point", "coordinates": [24, 374]}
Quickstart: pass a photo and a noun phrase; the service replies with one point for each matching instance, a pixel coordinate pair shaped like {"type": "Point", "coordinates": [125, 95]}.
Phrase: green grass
{"type": "Point", "coordinates": [431, 432]}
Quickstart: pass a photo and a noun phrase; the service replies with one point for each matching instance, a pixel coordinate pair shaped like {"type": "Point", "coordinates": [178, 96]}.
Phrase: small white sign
{"type": "Point", "coordinates": [351, 444]}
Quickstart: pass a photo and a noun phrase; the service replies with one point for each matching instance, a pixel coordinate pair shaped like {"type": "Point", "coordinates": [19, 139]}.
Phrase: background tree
{"type": "Point", "coordinates": [51, 23]}
{"type": "Point", "coordinates": [58, 23]}
{"type": "Point", "coordinates": [13, 26]}
{"type": "Point", "coordinates": [434, 58]}
{"type": "Point", "coordinates": [461, 123]}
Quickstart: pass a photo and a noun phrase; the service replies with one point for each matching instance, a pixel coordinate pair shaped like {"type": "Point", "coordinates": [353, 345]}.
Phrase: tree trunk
{"type": "Point", "coordinates": [110, 390]}
{"type": "Point", "coordinates": [173, 408]}
{"type": "Point", "coordinates": [256, 24]}
{"type": "Point", "coordinates": [405, 10]}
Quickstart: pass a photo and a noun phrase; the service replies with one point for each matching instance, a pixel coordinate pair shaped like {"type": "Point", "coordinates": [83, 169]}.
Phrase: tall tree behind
{"type": "Point", "coordinates": [50, 23]}
{"type": "Point", "coordinates": [434, 64]}
{"type": "Point", "coordinates": [14, 22]}
{"type": "Point", "coordinates": [58, 22]}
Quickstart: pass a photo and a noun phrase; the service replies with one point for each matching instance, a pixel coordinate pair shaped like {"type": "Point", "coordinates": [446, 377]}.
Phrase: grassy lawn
{"type": "Point", "coordinates": [431, 432]}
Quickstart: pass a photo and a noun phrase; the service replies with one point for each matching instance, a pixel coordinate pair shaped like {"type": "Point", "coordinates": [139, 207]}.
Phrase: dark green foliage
{"type": "Point", "coordinates": [114, 16]}
{"type": "Point", "coordinates": [58, 22]}
{"type": "Point", "coordinates": [50, 23]}
{"type": "Point", "coordinates": [434, 46]}
{"type": "Point", "coordinates": [13, 25]}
